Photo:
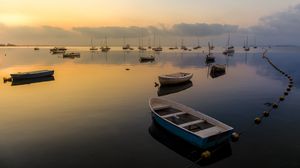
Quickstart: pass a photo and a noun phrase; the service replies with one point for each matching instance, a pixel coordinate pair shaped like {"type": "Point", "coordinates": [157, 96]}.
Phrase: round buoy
{"type": "Point", "coordinates": [235, 136]}
{"type": "Point", "coordinates": [286, 93]}
{"type": "Point", "coordinates": [257, 120]}
{"type": "Point", "coordinates": [290, 85]}
{"type": "Point", "coordinates": [288, 89]}
{"type": "Point", "coordinates": [291, 82]}
{"type": "Point", "coordinates": [275, 105]}
{"type": "Point", "coordinates": [281, 98]}
{"type": "Point", "coordinates": [266, 113]}
{"type": "Point", "coordinates": [206, 154]}
{"type": "Point", "coordinates": [286, 75]}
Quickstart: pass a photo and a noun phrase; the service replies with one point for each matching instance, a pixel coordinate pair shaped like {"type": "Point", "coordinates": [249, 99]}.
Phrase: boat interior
{"type": "Point", "coordinates": [180, 74]}
{"type": "Point", "coordinates": [187, 121]}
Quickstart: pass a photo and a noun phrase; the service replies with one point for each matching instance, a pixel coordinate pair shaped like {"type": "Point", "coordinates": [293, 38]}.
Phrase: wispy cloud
{"type": "Point", "coordinates": [80, 35]}
{"type": "Point", "coordinates": [280, 28]}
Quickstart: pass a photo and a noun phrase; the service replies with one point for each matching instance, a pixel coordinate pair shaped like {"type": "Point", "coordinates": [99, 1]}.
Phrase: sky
{"type": "Point", "coordinates": [76, 21]}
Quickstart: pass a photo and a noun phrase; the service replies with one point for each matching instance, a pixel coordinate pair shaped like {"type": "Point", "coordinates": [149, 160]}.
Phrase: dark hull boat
{"type": "Point", "coordinates": [32, 74]}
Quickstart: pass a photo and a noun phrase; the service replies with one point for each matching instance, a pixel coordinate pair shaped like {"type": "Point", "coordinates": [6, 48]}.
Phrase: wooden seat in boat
{"type": "Point", "coordinates": [210, 131]}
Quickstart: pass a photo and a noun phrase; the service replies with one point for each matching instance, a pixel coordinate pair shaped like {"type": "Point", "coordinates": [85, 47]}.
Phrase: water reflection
{"type": "Point", "coordinates": [30, 81]}
{"type": "Point", "coordinates": [214, 74]}
{"type": "Point", "coordinates": [187, 150]}
{"type": "Point", "coordinates": [165, 90]}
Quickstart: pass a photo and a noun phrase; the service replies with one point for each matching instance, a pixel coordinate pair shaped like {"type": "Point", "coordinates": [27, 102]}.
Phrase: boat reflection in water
{"type": "Point", "coordinates": [169, 89]}
{"type": "Point", "coordinates": [146, 60]}
{"type": "Point", "coordinates": [186, 149]}
{"type": "Point", "coordinates": [30, 81]}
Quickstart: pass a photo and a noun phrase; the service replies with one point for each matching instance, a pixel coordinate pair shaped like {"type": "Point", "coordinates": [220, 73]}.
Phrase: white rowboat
{"type": "Point", "coordinates": [175, 78]}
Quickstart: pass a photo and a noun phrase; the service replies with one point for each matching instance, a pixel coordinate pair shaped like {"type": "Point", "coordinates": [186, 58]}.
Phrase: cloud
{"type": "Point", "coordinates": [36, 35]}
{"type": "Point", "coordinates": [81, 35]}
{"type": "Point", "coordinates": [202, 29]}
{"type": "Point", "coordinates": [182, 29]}
{"type": "Point", "coordinates": [112, 32]}
{"type": "Point", "coordinates": [279, 28]}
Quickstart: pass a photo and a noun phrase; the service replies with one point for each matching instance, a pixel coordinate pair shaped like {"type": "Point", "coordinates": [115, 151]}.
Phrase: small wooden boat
{"type": "Point", "coordinates": [229, 49]}
{"type": "Point", "coordinates": [32, 80]}
{"type": "Point", "coordinates": [36, 48]}
{"type": "Point", "coordinates": [71, 54]}
{"type": "Point", "coordinates": [192, 126]}
{"type": "Point", "coordinates": [247, 48]}
{"type": "Point", "coordinates": [147, 58]}
{"type": "Point", "coordinates": [217, 70]}
{"type": "Point", "coordinates": [209, 57]}
{"type": "Point", "coordinates": [31, 74]}
{"type": "Point", "coordinates": [106, 48]}
{"type": "Point", "coordinates": [93, 49]}
{"type": "Point", "coordinates": [58, 49]}
{"type": "Point", "coordinates": [218, 67]}
{"type": "Point", "coordinates": [157, 49]}
{"type": "Point", "coordinates": [175, 78]}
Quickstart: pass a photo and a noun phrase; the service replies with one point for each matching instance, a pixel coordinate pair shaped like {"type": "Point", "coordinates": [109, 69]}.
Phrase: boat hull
{"type": "Point", "coordinates": [31, 75]}
{"type": "Point", "coordinates": [202, 143]}
{"type": "Point", "coordinates": [174, 80]}
{"type": "Point", "coordinates": [147, 58]}
{"type": "Point", "coordinates": [182, 121]}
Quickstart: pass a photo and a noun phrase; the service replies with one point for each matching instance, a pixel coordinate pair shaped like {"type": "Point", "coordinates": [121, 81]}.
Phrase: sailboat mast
{"type": "Point", "coordinates": [228, 39]}
{"type": "Point", "coordinates": [159, 42]}
{"type": "Point", "coordinates": [154, 40]}
{"type": "Point", "coordinates": [209, 48]}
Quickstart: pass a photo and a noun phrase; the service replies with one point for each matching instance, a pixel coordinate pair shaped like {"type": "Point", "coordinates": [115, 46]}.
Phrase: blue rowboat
{"type": "Point", "coordinates": [32, 74]}
{"type": "Point", "coordinates": [193, 126]}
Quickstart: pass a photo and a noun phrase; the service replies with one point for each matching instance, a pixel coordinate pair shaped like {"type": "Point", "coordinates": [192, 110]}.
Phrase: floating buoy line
{"type": "Point", "coordinates": [273, 106]}
{"type": "Point", "coordinates": [235, 136]}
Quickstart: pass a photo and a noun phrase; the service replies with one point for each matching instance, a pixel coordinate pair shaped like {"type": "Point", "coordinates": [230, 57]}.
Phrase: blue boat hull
{"type": "Point", "coordinates": [203, 143]}
{"type": "Point", "coordinates": [31, 76]}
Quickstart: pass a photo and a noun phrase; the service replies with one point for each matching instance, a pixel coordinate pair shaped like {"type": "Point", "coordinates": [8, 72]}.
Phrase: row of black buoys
{"type": "Point", "coordinates": [274, 106]}
{"type": "Point", "coordinates": [235, 136]}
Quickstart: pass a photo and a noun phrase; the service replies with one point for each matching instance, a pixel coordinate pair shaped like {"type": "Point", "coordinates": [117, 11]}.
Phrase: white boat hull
{"type": "Point", "coordinates": [173, 79]}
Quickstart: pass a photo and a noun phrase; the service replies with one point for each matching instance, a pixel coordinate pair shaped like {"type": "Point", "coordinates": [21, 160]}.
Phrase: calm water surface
{"type": "Point", "coordinates": [95, 113]}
